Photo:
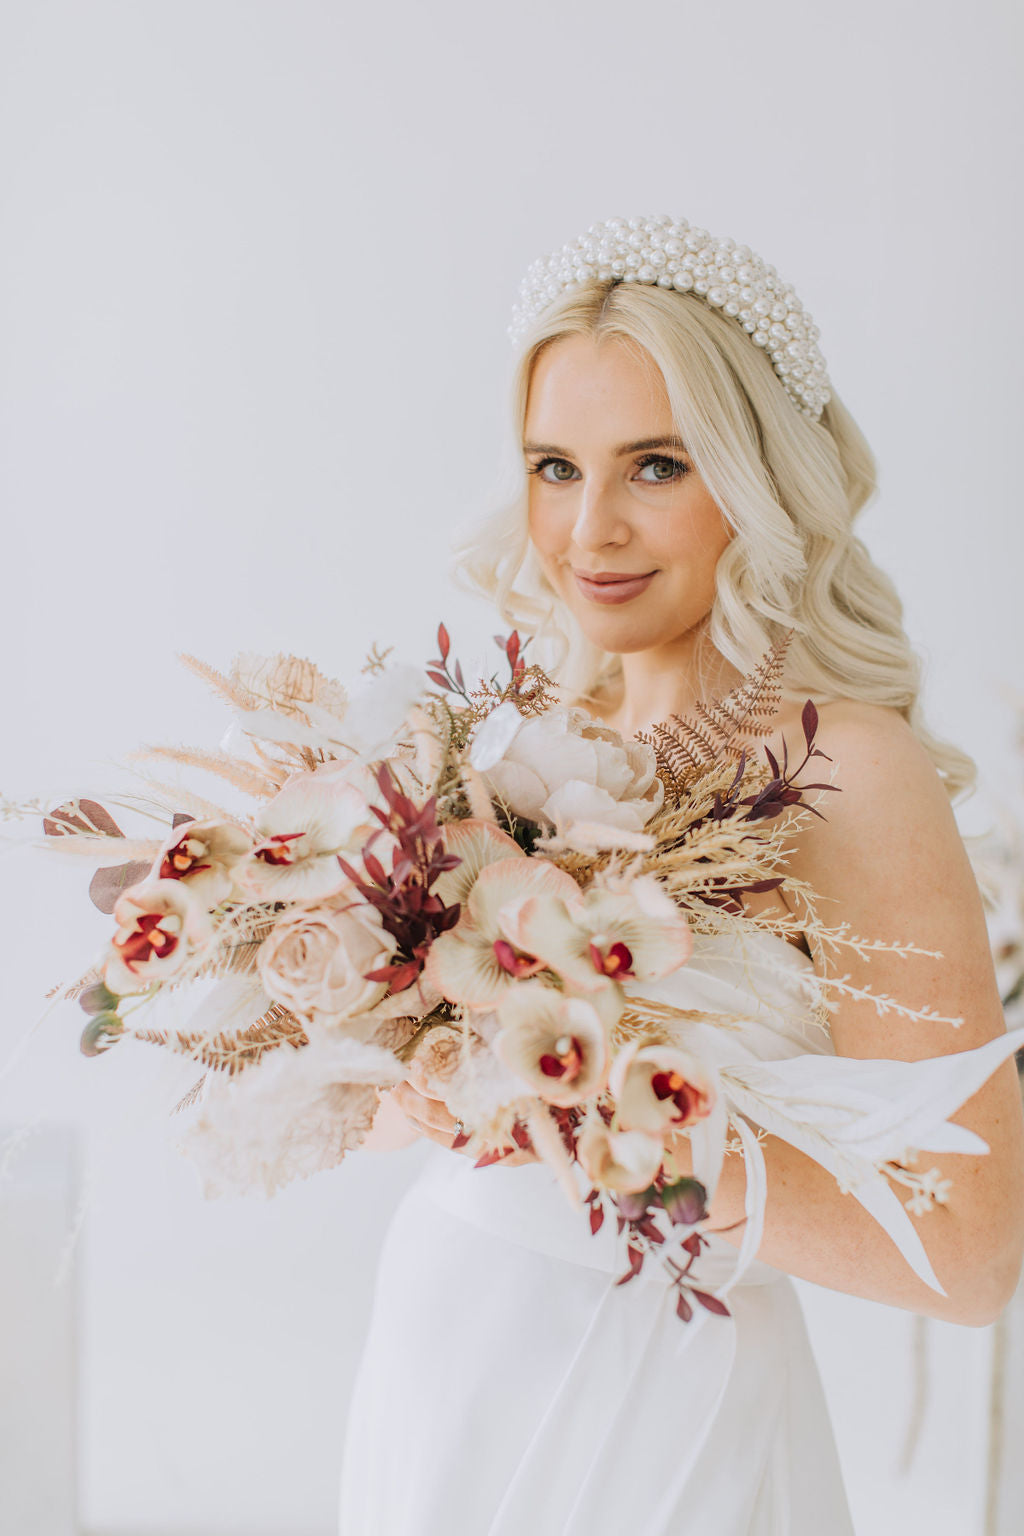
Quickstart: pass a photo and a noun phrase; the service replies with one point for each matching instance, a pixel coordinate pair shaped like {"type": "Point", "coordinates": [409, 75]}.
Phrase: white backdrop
{"type": "Point", "coordinates": [256, 266]}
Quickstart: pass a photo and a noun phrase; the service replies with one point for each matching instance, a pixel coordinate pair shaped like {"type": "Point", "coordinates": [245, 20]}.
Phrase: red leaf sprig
{"type": "Point", "coordinates": [783, 790]}
{"type": "Point", "coordinates": [513, 648]}
{"type": "Point", "coordinates": [685, 1201]}
{"type": "Point", "coordinates": [438, 670]}
{"type": "Point", "coordinates": [403, 897]}
{"type": "Point", "coordinates": [449, 675]}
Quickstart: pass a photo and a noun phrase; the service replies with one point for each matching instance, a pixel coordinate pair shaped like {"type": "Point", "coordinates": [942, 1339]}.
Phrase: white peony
{"type": "Point", "coordinates": [563, 767]}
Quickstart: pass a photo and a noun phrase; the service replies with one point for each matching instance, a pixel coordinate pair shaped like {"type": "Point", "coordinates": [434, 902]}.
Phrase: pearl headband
{"type": "Point", "coordinates": [668, 253]}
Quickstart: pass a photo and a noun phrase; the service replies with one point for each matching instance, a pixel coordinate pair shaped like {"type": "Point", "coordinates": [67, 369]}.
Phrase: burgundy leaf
{"type": "Point", "coordinates": [63, 819]}
{"type": "Point", "coordinates": [711, 1303]}
{"type": "Point", "coordinates": [596, 1218]}
{"type": "Point", "coordinates": [773, 761]}
{"type": "Point", "coordinates": [375, 869]}
{"type": "Point", "coordinates": [443, 642]}
{"type": "Point", "coordinates": [521, 1136]}
{"type": "Point", "coordinates": [683, 1308]}
{"type": "Point", "coordinates": [439, 679]}
{"type": "Point", "coordinates": [809, 721]}
{"type": "Point", "coordinates": [107, 885]}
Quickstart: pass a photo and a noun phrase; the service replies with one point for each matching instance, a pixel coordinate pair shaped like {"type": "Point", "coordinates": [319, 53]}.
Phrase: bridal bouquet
{"type": "Point", "coordinates": [485, 892]}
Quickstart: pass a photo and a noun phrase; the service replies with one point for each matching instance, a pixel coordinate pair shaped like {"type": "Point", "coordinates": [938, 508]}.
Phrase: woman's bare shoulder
{"type": "Point", "coordinates": [873, 754]}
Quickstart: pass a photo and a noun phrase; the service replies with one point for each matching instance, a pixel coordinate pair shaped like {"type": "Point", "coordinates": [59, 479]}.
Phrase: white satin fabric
{"type": "Point", "coordinates": [508, 1387]}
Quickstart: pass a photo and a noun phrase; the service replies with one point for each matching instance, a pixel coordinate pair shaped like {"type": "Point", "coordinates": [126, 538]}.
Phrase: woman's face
{"type": "Point", "coordinates": [612, 492]}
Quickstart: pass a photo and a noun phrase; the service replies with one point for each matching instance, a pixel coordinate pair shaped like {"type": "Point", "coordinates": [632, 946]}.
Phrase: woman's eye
{"type": "Point", "coordinates": [560, 471]}
{"type": "Point", "coordinates": [665, 470]}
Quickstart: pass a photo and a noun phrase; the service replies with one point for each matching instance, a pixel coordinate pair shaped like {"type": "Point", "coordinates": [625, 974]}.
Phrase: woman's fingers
{"type": "Point", "coordinates": [429, 1115]}
{"type": "Point", "coordinates": [432, 1118]}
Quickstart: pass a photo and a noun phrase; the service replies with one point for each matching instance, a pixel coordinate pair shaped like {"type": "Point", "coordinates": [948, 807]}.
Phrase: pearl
{"type": "Point", "coordinates": [666, 252]}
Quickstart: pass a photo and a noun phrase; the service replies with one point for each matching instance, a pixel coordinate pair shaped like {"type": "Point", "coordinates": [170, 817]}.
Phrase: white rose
{"type": "Point", "coordinates": [562, 766]}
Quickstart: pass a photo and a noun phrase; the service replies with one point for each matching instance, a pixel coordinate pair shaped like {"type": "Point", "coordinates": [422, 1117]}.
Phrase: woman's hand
{"type": "Point", "coordinates": [432, 1118]}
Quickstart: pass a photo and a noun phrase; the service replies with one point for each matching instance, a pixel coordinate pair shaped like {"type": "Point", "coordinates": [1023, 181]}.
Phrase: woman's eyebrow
{"type": "Point", "coordinates": [640, 446]}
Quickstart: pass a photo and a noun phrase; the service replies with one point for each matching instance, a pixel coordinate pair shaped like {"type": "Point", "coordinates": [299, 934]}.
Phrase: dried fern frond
{"type": "Point", "coordinates": [244, 776]}
{"type": "Point", "coordinates": [189, 1098]}
{"type": "Point", "coordinates": [720, 728]}
{"type": "Point", "coordinates": [231, 1050]}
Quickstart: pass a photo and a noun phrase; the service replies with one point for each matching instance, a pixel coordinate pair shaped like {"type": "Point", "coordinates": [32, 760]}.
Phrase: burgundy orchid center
{"type": "Point", "coordinates": [515, 961]}
{"type": "Point", "coordinates": [275, 850]}
{"type": "Point", "coordinates": [148, 940]}
{"type": "Point", "coordinates": [183, 858]}
{"type": "Point", "coordinates": [671, 1085]}
{"type": "Point", "coordinates": [566, 1059]}
{"type": "Point", "coordinates": [617, 960]}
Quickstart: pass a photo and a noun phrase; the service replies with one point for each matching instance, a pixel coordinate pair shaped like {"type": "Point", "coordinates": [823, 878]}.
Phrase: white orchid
{"type": "Point", "coordinates": [625, 929]}
{"type": "Point", "coordinates": [299, 834]}
{"type": "Point", "coordinates": [558, 1044]}
{"type": "Point", "coordinates": [625, 1161]}
{"type": "Point", "coordinates": [475, 963]}
{"type": "Point", "coordinates": [160, 928]}
{"type": "Point", "coordinates": [204, 855]}
{"type": "Point", "coordinates": [659, 1089]}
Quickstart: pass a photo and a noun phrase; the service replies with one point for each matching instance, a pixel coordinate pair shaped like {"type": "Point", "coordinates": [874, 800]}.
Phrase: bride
{"type": "Point", "coordinates": [691, 481]}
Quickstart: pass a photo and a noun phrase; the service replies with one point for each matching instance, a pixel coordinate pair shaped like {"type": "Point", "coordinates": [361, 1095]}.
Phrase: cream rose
{"type": "Point", "coordinates": [314, 962]}
{"type": "Point", "coordinates": [562, 766]}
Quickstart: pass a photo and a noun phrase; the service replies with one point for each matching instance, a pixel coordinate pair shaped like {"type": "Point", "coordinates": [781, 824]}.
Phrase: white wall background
{"type": "Point", "coordinates": [256, 265]}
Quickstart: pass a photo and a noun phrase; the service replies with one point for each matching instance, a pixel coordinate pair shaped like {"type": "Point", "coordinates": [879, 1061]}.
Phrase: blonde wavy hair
{"type": "Point", "coordinates": [789, 486]}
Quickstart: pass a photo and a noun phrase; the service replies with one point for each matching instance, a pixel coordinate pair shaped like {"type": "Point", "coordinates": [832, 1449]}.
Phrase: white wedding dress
{"type": "Point", "coordinates": [508, 1387]}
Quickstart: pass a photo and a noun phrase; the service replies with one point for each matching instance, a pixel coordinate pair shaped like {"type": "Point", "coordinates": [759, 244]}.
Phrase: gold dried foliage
{"type": "Point", "coordinates": [171, 798]}
{"type": "Point", "coordinates": [189, 1098]}
{"type": "Point", "coordinates": [375, 659]}
{"type": "Point", "coordinates": [227, 687]}
{"type": "Point", "coordinates": [654, 1021]}
{"type": "Point", "coordinates": [244, 776]}
{"type": "Point", "coordinates": [231, 1050]}
{"type": "Point", "coordinates": [285, 683]}
{"type": "Point", "coordinates": [720, 729]}
{"type": "Point", "coordinates": [282, 682]}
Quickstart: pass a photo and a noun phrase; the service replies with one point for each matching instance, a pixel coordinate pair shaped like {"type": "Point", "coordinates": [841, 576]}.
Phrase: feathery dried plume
{"type": "Point", "coordinates": [244, 776]}
{"type": "Point", "coordinates": [228, 688]}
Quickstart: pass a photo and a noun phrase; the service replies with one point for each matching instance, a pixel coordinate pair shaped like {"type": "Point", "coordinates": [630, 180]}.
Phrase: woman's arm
{"type": "Point", "coordinates": [889, 861]}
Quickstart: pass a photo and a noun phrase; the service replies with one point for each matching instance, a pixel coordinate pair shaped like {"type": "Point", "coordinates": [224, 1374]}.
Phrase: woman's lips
{"type": "Point", "coordinates": [613, 591]}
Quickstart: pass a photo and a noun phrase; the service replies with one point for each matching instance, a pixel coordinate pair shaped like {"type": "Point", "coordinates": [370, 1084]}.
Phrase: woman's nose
{"type": "Point", "coordinates": [600, 515]}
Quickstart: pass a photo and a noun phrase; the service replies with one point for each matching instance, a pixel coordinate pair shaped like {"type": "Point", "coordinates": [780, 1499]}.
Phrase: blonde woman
{"type": "Point", "coordinates": [691, 482]}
